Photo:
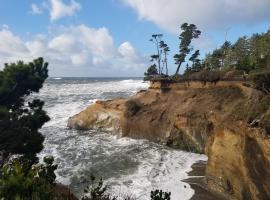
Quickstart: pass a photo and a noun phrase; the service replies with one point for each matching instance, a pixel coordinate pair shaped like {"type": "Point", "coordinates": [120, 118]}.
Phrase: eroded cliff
{"type": "Point", "coordinates": [228, 122]}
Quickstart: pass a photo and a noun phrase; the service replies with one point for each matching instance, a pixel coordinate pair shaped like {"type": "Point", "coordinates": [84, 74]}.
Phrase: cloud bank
{"type": "Point", "coordinates": [75, 50]}
{"type": "Point", "coordinates": [206, 14]}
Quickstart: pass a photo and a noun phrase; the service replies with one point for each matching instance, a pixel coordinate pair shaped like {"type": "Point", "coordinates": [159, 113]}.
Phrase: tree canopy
{"type": "Point", "coordinates": [189, 32]}
{"type": "Point", "coordinates": [20, 120]}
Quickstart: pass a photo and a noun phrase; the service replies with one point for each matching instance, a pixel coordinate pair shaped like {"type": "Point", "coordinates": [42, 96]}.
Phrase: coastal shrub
{"type": "Point", "coordinates": [96, 191]}
{"type": "Point", "coordinates": [132, 107]}
{"type": "Point", "coordinates": [151, 73]}
{"type": "Point", "coordinates": [234, 75]}
{"type": "Point", "coordinates": [262, 81]}
{"type": "Point", "coordinates": [206, 76]}
{"type": "Point", "coordinates": [209, 76]}
{"type": "Point", "coordinates": [19, 181]}
{"type": "Point", "coordinates": [160, 195]}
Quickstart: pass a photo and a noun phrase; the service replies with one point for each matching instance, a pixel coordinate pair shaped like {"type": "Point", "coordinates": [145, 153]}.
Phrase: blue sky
{"type": "Point", "coordinates": [110, 37]}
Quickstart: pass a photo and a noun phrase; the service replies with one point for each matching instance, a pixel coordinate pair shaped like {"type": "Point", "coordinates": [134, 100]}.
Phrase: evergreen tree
{"type": "Point", "coordinates": [20, 122]}
{"type": "Point", "coordinates": [165, 49]}
{"type": "Point", "coordinates": [152, 70]}
{"type": "Point", "coordinates": [156, 39]}
{"type": "Point", "coordinates": [189, 32]}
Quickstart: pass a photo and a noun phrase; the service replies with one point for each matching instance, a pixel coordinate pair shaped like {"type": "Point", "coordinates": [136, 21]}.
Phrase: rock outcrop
{"type": "Point", "coordinates": [228, 122]}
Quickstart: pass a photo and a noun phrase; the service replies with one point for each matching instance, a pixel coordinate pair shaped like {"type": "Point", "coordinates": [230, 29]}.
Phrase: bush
{"type": "Point", "coordinates": [150, 73]}
{"type": "Point", "coordinates": [19, 181]}
{"type": "Point", "coordinates": [96, 191]}
{"type": "Point", "coordinates": [160, 195]}
{"type": "Point", "coordinates": [234, 75]}
{"type": "Point", "coordinates": [206, 76]}
{"type": "Point", "coordinates": [262, 81]}
{"type": "Point", "coordinates": [132, 107]}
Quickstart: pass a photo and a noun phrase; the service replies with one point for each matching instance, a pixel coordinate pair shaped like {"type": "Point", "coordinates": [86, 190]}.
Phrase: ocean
{"type": "Point", "coordinates": [126, 165]}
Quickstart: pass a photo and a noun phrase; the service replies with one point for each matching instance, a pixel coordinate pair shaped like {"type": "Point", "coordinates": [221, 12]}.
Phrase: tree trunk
{"type": "Point", "coordinates": [166, 64]}
{"type": "Point", "coordinates": [159, 71]}
{"type": "Point", "coordinates": [178, 68]}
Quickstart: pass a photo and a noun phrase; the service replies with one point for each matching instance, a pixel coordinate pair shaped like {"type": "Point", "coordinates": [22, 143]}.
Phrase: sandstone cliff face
{"type": "Point", "coordinates": [228, 122]}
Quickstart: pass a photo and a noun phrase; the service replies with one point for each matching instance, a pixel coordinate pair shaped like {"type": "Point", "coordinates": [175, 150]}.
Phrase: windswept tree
{"type": "Point", "coordinates": [165, 50]}
{"type": "Point", "coordinates": [189, 32]}
{"type": "Point", "coordinates": [156, 39]}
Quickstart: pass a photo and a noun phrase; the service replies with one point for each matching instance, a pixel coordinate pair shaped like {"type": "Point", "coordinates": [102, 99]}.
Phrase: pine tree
{"type": "Point", "coordinates": [189, 32]}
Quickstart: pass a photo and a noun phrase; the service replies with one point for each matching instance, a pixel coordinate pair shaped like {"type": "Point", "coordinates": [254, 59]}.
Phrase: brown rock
{"type": "Point", "coordinates": [210, 119]}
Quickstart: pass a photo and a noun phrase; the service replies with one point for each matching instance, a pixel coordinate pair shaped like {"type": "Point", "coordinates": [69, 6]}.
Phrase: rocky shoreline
{"type": "Point", "coordinates": [198, 183]}
{"type": "Point", "coordinates": [227, 122]}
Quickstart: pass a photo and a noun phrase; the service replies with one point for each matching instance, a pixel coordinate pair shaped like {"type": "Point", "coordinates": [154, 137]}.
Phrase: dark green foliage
{"type": "Point", "coordinates": [194, 56]}
{"type": "Point", "coordinates": [22, 178]}
{"type": "Point", "coordinates": [262, 81]}
{"type": "Point", "coordinates": [240, 55]}
{"type": "Point", "coordinates": [160, 195]}
{"type": "Point", "coordinates": [132, 107]}
{"type": "Point", "coordinates": [19, 123]}
{"type": "Point", "coordinates": [213, 61]}
{"type": "Point", "coordinates": [151, 71]}
{"type": "Point", "coordinates": [196, 63]}
{"type": "Point", "coordinates": [96, 191]}
{"type": "Point", "coordinates": [20, 181]}
{"type": "Point", "coordinates": [189, 32]}
{"type": "Point", "coordinates": [18, 80]}
{"type": "Point", "coordinates": [245, 54]}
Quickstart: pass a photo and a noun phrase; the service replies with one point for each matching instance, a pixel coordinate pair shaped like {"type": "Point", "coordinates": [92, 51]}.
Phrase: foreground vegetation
{"type": "Point", "coordinates": [21, 177]}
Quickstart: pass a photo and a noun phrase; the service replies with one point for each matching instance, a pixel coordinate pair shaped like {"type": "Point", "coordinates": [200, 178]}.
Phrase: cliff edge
{"type": "Point", "coordinates": [229, 122]}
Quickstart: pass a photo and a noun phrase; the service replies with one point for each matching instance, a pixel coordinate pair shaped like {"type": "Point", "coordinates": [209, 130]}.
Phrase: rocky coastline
{"type": "Point", "coordinates": [227, 121]}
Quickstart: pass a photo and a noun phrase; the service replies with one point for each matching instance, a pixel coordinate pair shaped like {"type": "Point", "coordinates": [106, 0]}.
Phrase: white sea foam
{"type": "Point", "coordinates": [127, 165]}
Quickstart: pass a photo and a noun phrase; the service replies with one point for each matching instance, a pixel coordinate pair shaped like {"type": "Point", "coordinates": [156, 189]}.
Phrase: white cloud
{"type": "Point", "coordinates": [35, 9]}
{"type": "Point", "coordinates": [130, 57]}
{"type": "Point", "coordinates": [59, 9]}
{"type": "Point", "coordinates": [11, 45]}
{"type": "Point", "coordinates": [63, 43]}
{"type": "Point", "coordinates": [206, 14]}
{"type": "Point", "coordinates": [74, 51]}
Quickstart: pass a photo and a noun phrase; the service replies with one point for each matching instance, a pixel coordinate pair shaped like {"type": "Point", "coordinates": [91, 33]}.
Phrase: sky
{"type": "Point", "coordinates": [110, 38]}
